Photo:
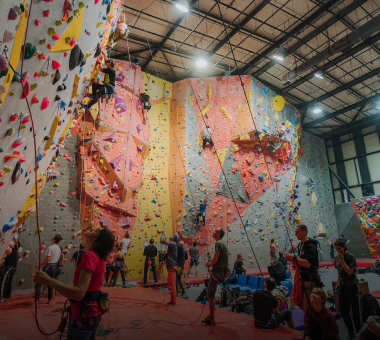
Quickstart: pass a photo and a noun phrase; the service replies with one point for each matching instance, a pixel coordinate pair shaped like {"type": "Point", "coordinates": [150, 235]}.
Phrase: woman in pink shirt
{"type": "Point", "coordinates": [84, 295]}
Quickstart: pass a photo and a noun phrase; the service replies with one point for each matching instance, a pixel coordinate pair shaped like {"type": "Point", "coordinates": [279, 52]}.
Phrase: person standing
{"type": "Point", "coordinates": [332, 255]}
{"type": "Point", "coordinates": [7, 272]}
{"type": "Point", "coordinates": [109, 264]}
{"type": "Point", "coordinates": [293, 247]}
{"type": "Point", "coordinates": [219, 265]}
{"type": "Point", "coordinates": [150, 252]}
{"type": "Point", "coordinates": [273, 249]}
{"type": "Point", "coordinates": [51, 262]}
{"type": "Point", "coordinates": [319, 321]}
{"type": "Point", "coordinates": [182, 256]}
{"type": "Point", "coordinates": [239, 265]}
{"type": "Point", "coordinates": [172, 266]}
{"type": "Point", "coordinates": [120, 265]}
{"type": "Point", "coordinates": [344, 240]}
{"type": "Point", "coordinates": [161, 249]}
{"type": "Point", "coordinates": [348, 289]}
{"type": "Point", "coordinates": [308, 263]}
{"type": "Point", "coordinates": [126, 243]}
{"type": "Point", "coordinates": [320, 252]}
{"type": "Point", "coordinates": [84, 294]}
{"type": "Point", "coordinates": [77, 256]}
{"type": "Point", "coordinates": [194, 254]}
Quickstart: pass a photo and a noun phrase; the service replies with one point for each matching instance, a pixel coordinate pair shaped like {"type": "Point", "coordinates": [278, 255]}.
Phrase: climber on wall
{"type": "Point", "coordinates": [294, 212]}
{"type": "Point", "coordinates": [207, 132]}
{"type": "Point", "coordinates": [202, 211]}
{"type": "Point", "coordinates": [273, 249]}
{"type": "Point", "coordinates": [144, 99]}
{"type": "Point", "coordinates": [108, 87]}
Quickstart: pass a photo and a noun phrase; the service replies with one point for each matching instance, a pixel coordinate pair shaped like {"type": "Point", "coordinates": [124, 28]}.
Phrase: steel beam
{"type": "Point", "coordinates": [333, 62]}
{"type": "Point", "coordinates": [357, 114]}
{"type": "Point", "coordinates": [343, 87]}
{"type": "Point", "coordinates": [354, 5]}
{"type": "Point", "coordinates": [306, 23]}
{"type": "Point", "coordinates": [167, 36]}
{"type": "Point", "coordinates": [341, 111]}
{"type": "Point", "coordinates": [238, 27]}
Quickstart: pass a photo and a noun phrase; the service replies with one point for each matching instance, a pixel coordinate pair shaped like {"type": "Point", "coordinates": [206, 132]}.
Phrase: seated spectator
{"type": "Point", "coordinates": [77, 256]}
{"type": "Point", "coordinates": [319, 321]}
{"type": "Point", "coordinates": [239, 266]}
{"type": "Point", "coordinates": [265, 304]}
{"type": "Point", "coordinates": [282, 259]}
{"type": "Point", "coordinates": [371, 329]}
{"type": "Point", "coordinates": [280, 269]}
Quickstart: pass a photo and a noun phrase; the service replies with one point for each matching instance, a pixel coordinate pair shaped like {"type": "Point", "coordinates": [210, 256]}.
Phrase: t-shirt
{"type": "Point", "coordinates": [308, 251]}
{"type": "Point", "coordinates": [283, 261]}
{"type": "Point", "coordinates": [11, 259]}
{"type": "Point", "coordinates": [109, 76]}
{"type": "Point", "coordinates": [54, 252]}
{"type": "Point", "coordinates": [125, 242]}
{"type": "Point", "coordinates": [281, 271]}
{"type": "Point", "coordinates": [150, 251]}
{"type": "Point", "coordinates": [77, 256]}
{"type": "Point", "coordinates": [238, 267]}
{"type": "Point", "coordinates": [344, 240]}
{"type": "Point", "coordinates": [350, 262]}
{"type": "Point", "coordinates": [93, 262]}
{"type": "Point", "coordinates": [202, 208]}
{"type": "Point", "coordinates": [263, 304]}
{"type": "Point", "coordinates": [320, 324]}
{"type": "Point", "coordinates": [161, 246]}
{"type": "Point", "coordinates": [221, 247]}
{"type": "Point", "coordinates": [207, 133]}
{"type": "Point", "coordinates": [193, 251]}
{"type": "Point", "coordinates": [182, 256]}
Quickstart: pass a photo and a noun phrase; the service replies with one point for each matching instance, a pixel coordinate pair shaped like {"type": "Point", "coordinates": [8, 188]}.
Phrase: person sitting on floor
{"type": "Point", "coordinates": [319, 322]}
{"type": "Point", "coordinates": [239, 266]}
{"type": "Point", "coordinates": [282, 259]}
{"type": "Point", "coordinates": [99, 90]}
{"type": "Point", "coordinates": [280, 269]}
{"type": "Point", "coordinates": [371, 329]}
{"type": "Point", "coordinates": [265, 304]}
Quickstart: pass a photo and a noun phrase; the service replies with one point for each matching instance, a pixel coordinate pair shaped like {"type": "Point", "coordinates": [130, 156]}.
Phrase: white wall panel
{"type": "Point", "coordinates": [330, 152]}
{"type": "Point", "coordinates": [371, 142]}
{"type": "Point", "coordinates": [352, 178]}
{"type": "Point", "coordinates": [374, 166]}
{"type": "Point", "coordinates": [348, 149]}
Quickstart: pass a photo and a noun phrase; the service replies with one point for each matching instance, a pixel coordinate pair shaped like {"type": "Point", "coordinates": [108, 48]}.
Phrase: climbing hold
{"type": "Point", "coordinates": [45, 103]}
{"type": "Point", "coordinates": [18, 142]}
{"type": "Point", "coordinates": [25, 90]}
{"type": "Point", "coordinates": [30, 50]}
{"type": "Point", "coordinates": [37, 22]}
{"type": "Point", "coordinates": [9, 132]}
{"type": "Point", "coordinates": [56, 36]}
{"type": "Point", "coordinates": [8, 36]}
{"type": "Point", "coordinates": [57, 76]}
{"type": "Point", "coordinates": [51, 30]}
{"type": "Point", "coordinates": [35, 99]}
{"type": "Point", "coordinates": [12, 14]}
{"type": "Point", "coordinates": [46, 13]}
{"type": "Point", "coordinates": [16, 173]}
{"type": "Point", "coordinates": [56, 64]}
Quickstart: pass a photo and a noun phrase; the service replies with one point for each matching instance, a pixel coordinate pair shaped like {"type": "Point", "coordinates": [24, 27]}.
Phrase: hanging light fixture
{"type": "Point", "coordinates": [318, 75]}
{"type": "Point", "coordinates": [278, 57]}
{"type": "Point", "coordinates": [182, 5]}
{"type": "Point", "coordinates": [317, 109]}
{"type": "Point", "coordinates": [201, 62]}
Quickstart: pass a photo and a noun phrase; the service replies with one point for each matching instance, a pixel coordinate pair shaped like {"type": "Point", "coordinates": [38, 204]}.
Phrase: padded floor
{"type": "Point", "coordinates": [141, 307]}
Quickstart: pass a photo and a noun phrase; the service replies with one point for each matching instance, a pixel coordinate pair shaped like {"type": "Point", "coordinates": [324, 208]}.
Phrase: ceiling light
{"type": "Point", "coordinates": [317, 110]}
{"type": "Point", "coordinates": [201, 63]}
{"type": "Point", "coordinates": [278, 57]}
{"type": "Point", "coordinates": [318, 75]}
{"type": "Point", "coordinates": [378, 107]}
{"type": "Point", "coordinates": [182, 5]}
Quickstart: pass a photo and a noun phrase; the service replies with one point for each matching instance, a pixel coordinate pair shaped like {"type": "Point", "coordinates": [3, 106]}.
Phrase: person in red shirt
{"type": "Point", "coordinates": [319, 321]}
{"type": "Point", "coordinates": [84, 295]}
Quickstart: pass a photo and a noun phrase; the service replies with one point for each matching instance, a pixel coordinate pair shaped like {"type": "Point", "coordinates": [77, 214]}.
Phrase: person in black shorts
{"type": "Point", "coordinates": [265, 304]}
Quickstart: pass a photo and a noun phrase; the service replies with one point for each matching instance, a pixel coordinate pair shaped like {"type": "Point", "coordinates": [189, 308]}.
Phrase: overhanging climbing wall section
{"type": "Point", "coordinates": [61, 43]}
{"type": "Point", "coordinates": [367, 212]}
{"type": "Point", "coordinates": [259, 156]}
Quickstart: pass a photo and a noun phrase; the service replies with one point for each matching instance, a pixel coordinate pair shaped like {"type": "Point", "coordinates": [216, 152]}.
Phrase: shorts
{"type": "Point", "coordinates": [194, 260]}
{"type": "Point", "coordinates": [211, 288]}
{"type": "Point", "coordinates": [162, 257]}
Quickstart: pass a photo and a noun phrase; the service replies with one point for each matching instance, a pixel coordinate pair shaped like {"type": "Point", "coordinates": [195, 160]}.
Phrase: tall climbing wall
{"type": "Point", "coordinates": [367, 212]}
{"type": "Point", "coordinates": [247, 178]}
{"type": "Point", "coordinates": [61, 41]}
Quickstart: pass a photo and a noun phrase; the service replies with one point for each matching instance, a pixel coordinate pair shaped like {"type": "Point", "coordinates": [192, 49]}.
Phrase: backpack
{"type": "Point", "coordinates": [370, 306]}
{"type": "Point", "coordinates": [282, 302]}
{"type": "Point", "coordinates": [228, 296]}
{"type": "Point", "coordinates": [240, 303]}
{"type": "Point", "coordinates": [202, 296]}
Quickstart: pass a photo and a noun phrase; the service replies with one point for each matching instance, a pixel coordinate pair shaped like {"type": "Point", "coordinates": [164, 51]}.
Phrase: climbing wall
{"type": "Point", "coordinates": [61, 42]}
{"type": "Point", "coordinates": [248, 176]}
{"type": "Point", "coordinates": [367, 212]}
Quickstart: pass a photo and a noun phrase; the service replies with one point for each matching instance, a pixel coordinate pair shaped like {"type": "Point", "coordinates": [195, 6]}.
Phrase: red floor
{"type": "Point", "coordinates": [376, 294]}
{"type": "Point", "coordinates": [144, 306]}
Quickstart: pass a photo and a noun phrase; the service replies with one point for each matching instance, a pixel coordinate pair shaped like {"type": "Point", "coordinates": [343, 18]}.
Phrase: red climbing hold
{"type": "Point", "coordinates": [46, 13]}
{"type": "Point", "coordinates": [56, 64]}
{"type": "Point", "coordinates": [63, 204]}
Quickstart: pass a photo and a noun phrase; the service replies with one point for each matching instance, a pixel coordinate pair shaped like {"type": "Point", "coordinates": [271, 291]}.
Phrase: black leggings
{"type": "Point", "coordinates": [116, 273]}
{"type": "Point", "coordinates": [50, 270]}
{"type": "Point", "coordinates": [349, 296]}
{"type": "Point", "coordinates": [99, 90]}
{"type": "Point", "coordinates": [6, 276]}
{"type": "Point", "coordinates": [109, 269]}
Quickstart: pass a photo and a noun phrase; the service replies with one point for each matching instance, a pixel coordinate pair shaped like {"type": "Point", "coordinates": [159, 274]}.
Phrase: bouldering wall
{"type": "Point", "coordinates": [367, 212]}
{"type": "Point", "coordinates": [60, 45]}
